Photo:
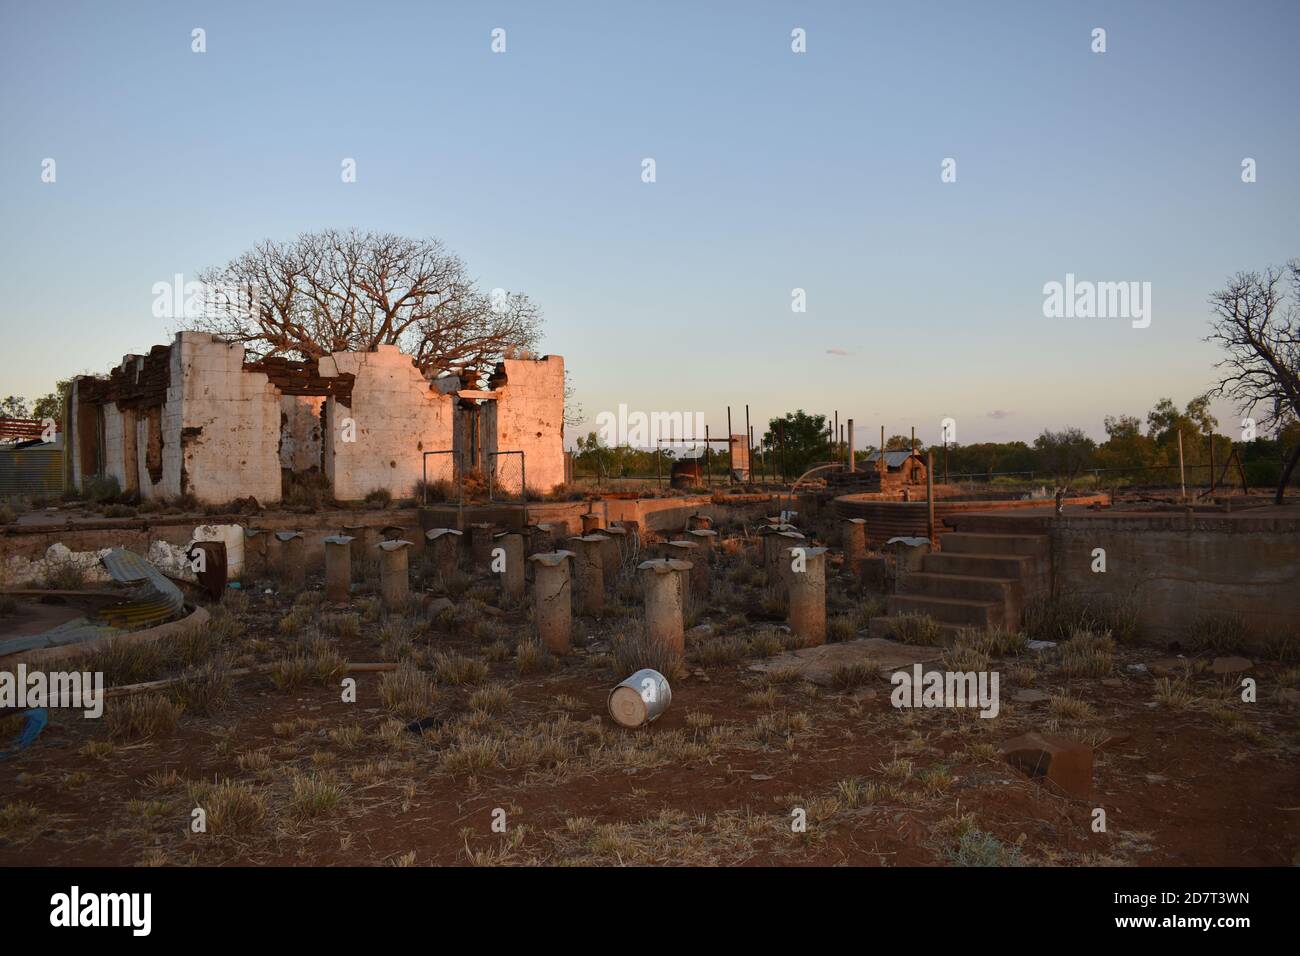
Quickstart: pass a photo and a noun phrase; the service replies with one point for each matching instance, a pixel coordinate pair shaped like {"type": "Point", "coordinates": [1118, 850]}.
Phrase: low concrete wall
{"type": "Point", "coordinates": [661, 515]}
{"type": "Point", "coordinates": [890, 518]}
{"type": "Point", "coordinates": [1176, 567]}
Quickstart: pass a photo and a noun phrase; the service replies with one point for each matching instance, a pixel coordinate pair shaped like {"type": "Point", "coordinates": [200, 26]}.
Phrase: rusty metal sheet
{"type": "Point", "coordinates": [127, 567]}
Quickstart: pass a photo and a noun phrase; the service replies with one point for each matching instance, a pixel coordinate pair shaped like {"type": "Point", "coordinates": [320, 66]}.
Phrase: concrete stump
{"type": "Point", "coordinates": [807, 594]}
{"type": "Point", "coordinates": [512, 575]}
{"type": "Point", "coordinates": [620, 536]}
{"type": "Point", "coordinates": [552, 605]}
{"type": "Point", "coordinates": [286, 556]}
{"type": "Point", "coordinates": [853, 533]}
{"type": "Point", "coordinates": [394, 581]}
{"type": "Point", "coordinates": [773, 544]}
{"type": "Point", "coordinates": [392, 532]}
{"type": "Point", "coordinates": [338, 568]}
{"type": "Point", "coordinates": [255, 553]}
{"type": "Point", "coordinates": [541, 539]}
{"type": "Point", "coordinates": [909, 554]}
{"type": "Point", "coordinates": [699, 522]}
{"type": "Point", "coordinates": [445, 547]}
{"type": "Point", "coordinates": [698, 578]}
{"type": "Point", "coordinates": [592, 522]}
{"type": "Point", "coordinates": [665, 588]}
{"type": "Point", "coordinates": [480, 547]}
{"type": "Point", "coordinates": [589, 573]}
{"type": "Point", "coordinates": [707, 539]}
{"type": "Point", "coordinates": [362, 538]}
{"type": "Point", "coordinates": [611, 558]}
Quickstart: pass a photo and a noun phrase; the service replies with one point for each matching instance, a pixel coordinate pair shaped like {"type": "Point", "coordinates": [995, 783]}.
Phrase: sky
{"type": "Point", "coordinates": [775, 170]}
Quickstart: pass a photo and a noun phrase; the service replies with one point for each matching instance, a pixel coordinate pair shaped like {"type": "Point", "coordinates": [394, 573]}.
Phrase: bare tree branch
{"type": "Point", "coordinates": [336, 291]}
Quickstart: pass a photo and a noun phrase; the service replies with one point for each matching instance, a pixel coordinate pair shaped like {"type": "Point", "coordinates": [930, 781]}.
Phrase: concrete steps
{"type": "Point", "coordinates": [1013, 566]}
{"type": "Point", "coordinates": [966, 586]}
{"type": "Point", "coordinates": [978, 580]}
{"type": "Point", "coordinates": [1037, 545]}
{"type": "Point", "coordinates": [949, 610]}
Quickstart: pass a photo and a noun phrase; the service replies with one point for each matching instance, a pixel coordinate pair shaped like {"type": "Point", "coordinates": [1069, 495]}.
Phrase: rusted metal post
{"type": "Point", "coordinates": [1211, 462]}
{"type": "Point", "coordinates": [780, 437]}
{"type": "Point", "coordinates": [731, 454]}
{"type": "Point", "coordinates": [709, 467]}
{"type": "Point", "coordinates": [1182, 476]}
{"type": "Point", "coordinates": [929, 493]}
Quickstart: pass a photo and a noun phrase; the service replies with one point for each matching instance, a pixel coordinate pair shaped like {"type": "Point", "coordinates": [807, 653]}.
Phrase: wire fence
{"type": "Point", "coordinates": [507, 477]}
{"type": "Point", "coordinates": [442, 480]}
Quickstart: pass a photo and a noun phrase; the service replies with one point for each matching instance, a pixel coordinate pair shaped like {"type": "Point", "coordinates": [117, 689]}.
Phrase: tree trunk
{"type": "Point", "coordinates": [1286, 475]}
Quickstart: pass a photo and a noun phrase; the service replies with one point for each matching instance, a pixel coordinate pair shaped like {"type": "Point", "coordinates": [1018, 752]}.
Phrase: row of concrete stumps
{"type": "Point", "coordinates": [679, 575]}
{"type": "Point", "coordinates": [282, 556]}
{"type": "Point", "coordinates": [574, 578]}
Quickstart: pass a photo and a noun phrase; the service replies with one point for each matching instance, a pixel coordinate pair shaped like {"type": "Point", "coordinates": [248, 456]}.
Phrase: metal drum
{"type": "Point", "coordinates": [640, 699]}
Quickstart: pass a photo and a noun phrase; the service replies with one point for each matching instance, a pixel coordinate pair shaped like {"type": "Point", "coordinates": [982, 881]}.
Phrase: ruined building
{"type": "Point", "coordinates": [194, 418]}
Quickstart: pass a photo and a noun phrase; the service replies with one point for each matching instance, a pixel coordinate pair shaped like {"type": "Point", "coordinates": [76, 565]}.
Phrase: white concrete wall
{"type": "Point", "coordinates": [530, 418]}
{"type": "Point", "coordinates": [114, 450]}
{"type": "Point", "coordinates": [398, 415]}
{"type": "Point", "coordinates": [235, 451]}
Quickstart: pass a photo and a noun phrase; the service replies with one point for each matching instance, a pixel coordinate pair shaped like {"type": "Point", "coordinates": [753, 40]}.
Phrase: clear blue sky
{"type": "Point", "coordinates": [775, 171]}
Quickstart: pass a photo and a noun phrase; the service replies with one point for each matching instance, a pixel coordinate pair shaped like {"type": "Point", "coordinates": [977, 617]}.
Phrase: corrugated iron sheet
{"type": "Point", "coordinates": [155, 592]}
{"type": "Point", "coordinates": [30, 472]}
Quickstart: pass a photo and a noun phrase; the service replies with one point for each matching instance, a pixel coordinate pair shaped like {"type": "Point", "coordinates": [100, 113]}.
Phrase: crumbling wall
{"type": "Point", "coordinates": [118, 427]}
{"type": "Point", "coordinates": [529, 417]}
{"type": "Point", "coordinates": [83, 417]}
{"type": "Point", "coordinates": [228, 433]}
{"type": "Point", "coordinates": [115, 463]}
{"type": "Point", "coordinates": [300, 433]}
{"type": "Point", "coordinates": [395, 414]}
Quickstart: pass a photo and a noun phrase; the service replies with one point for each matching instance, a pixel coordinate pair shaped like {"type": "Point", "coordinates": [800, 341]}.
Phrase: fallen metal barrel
{"type": "Point", "coordinates": [640, 699]}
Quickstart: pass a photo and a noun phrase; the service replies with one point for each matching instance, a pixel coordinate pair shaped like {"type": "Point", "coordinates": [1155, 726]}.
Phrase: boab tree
{"type": "Point", "coordinates": [336, 291]}
{"type": "Point", "coordinates": [1260, 331]}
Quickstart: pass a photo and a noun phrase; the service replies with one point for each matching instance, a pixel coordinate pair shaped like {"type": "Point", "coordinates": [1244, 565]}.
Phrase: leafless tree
{"type": "Point", "coordinates": [336, 290]}
{"type": "Point", "coordinates": [1259, 328]}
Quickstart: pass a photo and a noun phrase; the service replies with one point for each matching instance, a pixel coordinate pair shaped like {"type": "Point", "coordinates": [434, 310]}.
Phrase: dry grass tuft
{"type": "Point", "coordinates": [917, 629]}
{"type": "Point", "coordinates": [233, 808]}
{"type": "Point", "coordinates": [1086, 654]}
{"type": "Point", "coordinates": [141, 716]}
{"type": "Point", "coordinates": [633, 650]}
{"type": "Point", "coordinates": [450, 667]}
{"type": "Point", "coordinates": [406, 692]}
